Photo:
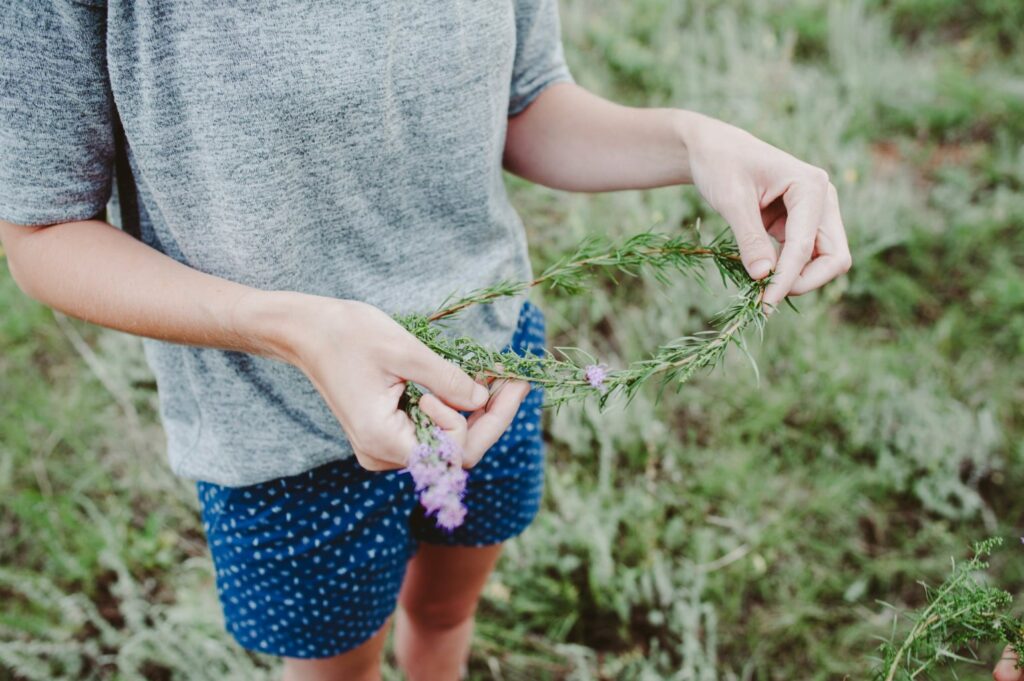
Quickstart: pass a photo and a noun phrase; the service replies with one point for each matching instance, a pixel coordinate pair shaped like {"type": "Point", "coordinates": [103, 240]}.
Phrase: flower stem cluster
{"type": "Point", "coordinates": [436, 467]}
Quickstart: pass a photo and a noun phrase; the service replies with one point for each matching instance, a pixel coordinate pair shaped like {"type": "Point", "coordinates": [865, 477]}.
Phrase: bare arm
{"type": "Point", "coordinates": [571, 139]}
{"type": "Point", "coordinates": [356, 356]}
{"type": "Point", "coordinates": [95, 272]}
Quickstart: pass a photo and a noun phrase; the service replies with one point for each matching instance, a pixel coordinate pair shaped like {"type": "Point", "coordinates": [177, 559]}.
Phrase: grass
{"type": "Point", "coordinates": [735, 530]}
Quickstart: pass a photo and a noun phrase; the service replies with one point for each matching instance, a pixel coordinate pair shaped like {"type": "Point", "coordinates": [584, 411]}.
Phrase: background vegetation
{"type": "Point", "coordinates": [735, 530]}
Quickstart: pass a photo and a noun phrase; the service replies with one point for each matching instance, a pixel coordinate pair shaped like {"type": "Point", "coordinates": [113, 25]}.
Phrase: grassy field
{"type": "Point", "coordinates": [742, 528]}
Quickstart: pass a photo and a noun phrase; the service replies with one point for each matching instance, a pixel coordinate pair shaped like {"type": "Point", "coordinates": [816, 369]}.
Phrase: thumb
{"type": "Point", "coordinates": [445, 380]}
{"type": "Point", "coordinates": [756, 248]}
{"type": "Point", "coordinates": [445, 418]}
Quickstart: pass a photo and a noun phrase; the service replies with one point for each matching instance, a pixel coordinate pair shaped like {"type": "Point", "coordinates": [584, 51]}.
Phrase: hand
{"type": "Point", "coordinates": [763, 191]}
{"type": "Point", "coordinates": [360, 359]}
{"type": "Point", "coordinates": [484, 426]}
{"type": "Point", "coordinates": [1006, 669]}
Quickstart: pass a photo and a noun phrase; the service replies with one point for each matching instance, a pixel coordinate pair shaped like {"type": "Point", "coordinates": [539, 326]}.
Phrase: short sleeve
{"type": "Point", "coordinates": [540, 60]}
{"type": "Point", "coordinates": [56, 140]}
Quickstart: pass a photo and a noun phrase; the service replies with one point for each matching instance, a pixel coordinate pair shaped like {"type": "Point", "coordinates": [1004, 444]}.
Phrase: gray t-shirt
{"type": "Point", "coordinates": [350, 149]}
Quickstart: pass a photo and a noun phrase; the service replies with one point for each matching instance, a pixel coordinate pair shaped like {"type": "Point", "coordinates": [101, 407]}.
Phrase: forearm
{"type": "Point", "coordinates": [93, 271]}
{"type": "Point", "coordinates": [571, 139]}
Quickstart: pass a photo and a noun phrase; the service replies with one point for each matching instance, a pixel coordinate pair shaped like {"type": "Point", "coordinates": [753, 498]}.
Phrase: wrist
{"type": "Point", "coordinates": [686, 127]}
{"type": "Point", "coordinates": [271, 323]}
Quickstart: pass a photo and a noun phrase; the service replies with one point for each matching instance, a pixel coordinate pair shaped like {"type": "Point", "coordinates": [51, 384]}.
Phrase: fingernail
{"type": "Point", "coordinates": [760, 268]}
{"type": "Point", "coordinates": [480, 394]}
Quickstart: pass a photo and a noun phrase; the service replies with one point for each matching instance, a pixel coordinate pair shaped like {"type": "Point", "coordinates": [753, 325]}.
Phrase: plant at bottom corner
{"type": "Point", "coordinates": [961, 613]}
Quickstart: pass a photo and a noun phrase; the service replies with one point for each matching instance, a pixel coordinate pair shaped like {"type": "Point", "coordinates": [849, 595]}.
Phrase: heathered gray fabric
{"type": "Point", "coordinates": [348, 148]}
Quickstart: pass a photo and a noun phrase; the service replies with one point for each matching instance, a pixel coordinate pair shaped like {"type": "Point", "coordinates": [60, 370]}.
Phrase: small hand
{"type": "Point", "coordinates": [360, 359]}
{"type": "Point", "coordinates": [1006, 669]}
{"type": "Point", "coordinates": [762, 191]}
{"type": "Point", "coordinates": [485, 425]}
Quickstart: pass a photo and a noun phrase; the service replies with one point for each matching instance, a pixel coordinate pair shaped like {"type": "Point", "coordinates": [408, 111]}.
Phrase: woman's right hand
{"type": "Point", "coordinates": [360, 359]}
{"type": "Point", "coordinates": [357, 356]}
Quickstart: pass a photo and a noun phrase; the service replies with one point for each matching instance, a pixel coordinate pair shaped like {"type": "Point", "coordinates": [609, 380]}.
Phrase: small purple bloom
{"type": "Point", "coordinates": [446, 448]}
{"type": "Point", "coordinates": [425, 474]}
{"type": "Point", "coordinates": [458, 479]}
{"type": "Point", "coordinates": [451, 516]}
{"type": "Point", "coordinates": [434, 499]}
{"type": "Point", "coordinates": [439, 481]}
{"type": "Point", "coordinates": [596, 375]}
{"type": "Point", "coordinates": [421, 451]}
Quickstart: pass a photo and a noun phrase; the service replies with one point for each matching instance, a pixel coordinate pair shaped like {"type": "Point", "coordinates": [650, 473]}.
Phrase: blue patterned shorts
{"type": "Point", "coordinates": [310, 566]}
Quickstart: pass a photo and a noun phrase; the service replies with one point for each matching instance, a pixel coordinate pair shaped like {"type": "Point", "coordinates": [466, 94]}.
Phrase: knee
{"type": "Point", "coordinates": [439, 615]}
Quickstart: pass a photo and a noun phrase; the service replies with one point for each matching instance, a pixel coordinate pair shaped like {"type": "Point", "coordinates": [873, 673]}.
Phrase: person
{"type": "Point", "coordinates": [302, 171]}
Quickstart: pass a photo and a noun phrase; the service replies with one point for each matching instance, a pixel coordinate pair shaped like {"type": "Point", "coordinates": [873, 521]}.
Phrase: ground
{"type": "Point", "coordinates": [748, 526]}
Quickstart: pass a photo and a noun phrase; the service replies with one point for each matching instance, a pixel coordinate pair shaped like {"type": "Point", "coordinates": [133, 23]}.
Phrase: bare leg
{"type": "Point", "coordinates": [434, 625]}
{"type": "Point", "coordinates": [358, 664]}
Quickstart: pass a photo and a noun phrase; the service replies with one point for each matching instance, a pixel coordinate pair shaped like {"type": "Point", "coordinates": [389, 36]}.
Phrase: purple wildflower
{"type": "Point", "coordinates": [425, 473]}
{"type": "Point", "coordinates": [446, 446]}
{"type": "Point", "coordinates": [451, 516]}
{"type": "Point", "coordinates": [434, 499]}
{"type": "Point", "coordinates": [458, 477]}
{"type": "Point", "coordinates": [596, 375]}
{"type": "Point", "coordinates": [439, 480]}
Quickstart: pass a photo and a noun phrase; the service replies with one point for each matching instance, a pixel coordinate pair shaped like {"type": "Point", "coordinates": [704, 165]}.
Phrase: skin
{"type": "Point", "coordinates": [359, 359]}
{"type": "Point", "coordinates": [1006, 668]}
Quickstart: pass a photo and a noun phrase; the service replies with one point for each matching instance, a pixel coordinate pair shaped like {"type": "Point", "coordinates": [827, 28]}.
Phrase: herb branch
{"type": "Point", "coordinates": [565, 377]}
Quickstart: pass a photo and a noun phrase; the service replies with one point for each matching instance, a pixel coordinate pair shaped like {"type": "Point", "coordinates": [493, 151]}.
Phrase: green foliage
{"type": "Point", "coordinates": [991, 22]}
{"type": "Point", "coordinates": [960, 612]}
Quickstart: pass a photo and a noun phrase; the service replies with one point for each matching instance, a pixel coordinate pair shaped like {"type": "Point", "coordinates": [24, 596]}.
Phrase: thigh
{"type": "Point", "coordinates": [443, 583]}
{"type": "Point", "coordinates": [309, 566]}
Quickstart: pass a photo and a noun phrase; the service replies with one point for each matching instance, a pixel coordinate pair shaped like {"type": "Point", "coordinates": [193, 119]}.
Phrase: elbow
{"type": "Point", "coordinates": [515, 156]}
{"type": "Point", "coordinates": [13, 239]}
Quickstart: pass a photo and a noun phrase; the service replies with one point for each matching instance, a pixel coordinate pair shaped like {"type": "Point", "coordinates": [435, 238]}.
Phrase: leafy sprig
{"type": "Point", "coordinates": [961, 612]}
{"type": "Point", "coordinates": [565, 377]}
{"type": "Point", "coordinates": [657, 253]}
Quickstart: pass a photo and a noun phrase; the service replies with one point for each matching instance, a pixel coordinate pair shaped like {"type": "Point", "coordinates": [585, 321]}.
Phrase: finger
{"type": "Point", "coordinates": [444, 379]}
{"type": "Point", "coordinates": [756, 250]}
{"type": "Point", "coordinates": [494, 386]}
{"type": "Point", "coordinates": [835, 257]}
{"type": "Point", "coordinates": [489, 426]}
{"type": "Point", "coordinates": [805, 200]}
{"type": "Point", "coordinates": [1007, 670]}
{"type": "Point", "coordinates": [777, 229]}
{"type": "Point", "coordinates": [386, 447]}
{"type": "Point", "coordinates": [773, 214]}
{"type": "Point", "coordinates": [445, 418]}
{"type": "Point", "coordinates": [375, 465]}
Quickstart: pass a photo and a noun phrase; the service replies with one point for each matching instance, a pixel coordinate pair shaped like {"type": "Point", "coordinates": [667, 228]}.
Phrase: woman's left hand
{"type": "Point", "coordinates": [571, 139]}
{"type": "Point", "coordinates": [762, 191]}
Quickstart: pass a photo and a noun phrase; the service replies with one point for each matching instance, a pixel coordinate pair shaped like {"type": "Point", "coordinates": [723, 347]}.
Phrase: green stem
{"type": "Point", "coordinates": [595, 261]}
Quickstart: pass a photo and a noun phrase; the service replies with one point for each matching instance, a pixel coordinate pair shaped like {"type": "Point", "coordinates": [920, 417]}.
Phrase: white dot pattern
{"type": "Point", "coordinates": [310, 565]}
